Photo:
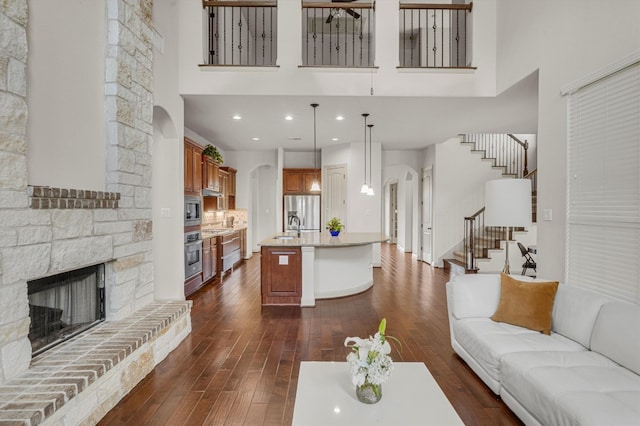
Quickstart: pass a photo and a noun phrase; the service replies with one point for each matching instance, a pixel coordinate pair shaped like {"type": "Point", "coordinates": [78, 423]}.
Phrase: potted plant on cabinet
{"type": "Point", "coordinates": [335, 226]}
{"type": "Point", "coordinates": [212, 152]}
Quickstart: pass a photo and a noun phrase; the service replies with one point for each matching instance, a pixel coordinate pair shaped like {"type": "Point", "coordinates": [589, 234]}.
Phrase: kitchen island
{"type": "Point", "coordinates": [316, 265]}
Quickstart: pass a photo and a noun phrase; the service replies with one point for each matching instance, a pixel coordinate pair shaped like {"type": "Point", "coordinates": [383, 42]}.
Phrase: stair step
{"type": "Point", "coordinates": [456, 267]}
{"type": "Point", "coordinates": [458, 255]}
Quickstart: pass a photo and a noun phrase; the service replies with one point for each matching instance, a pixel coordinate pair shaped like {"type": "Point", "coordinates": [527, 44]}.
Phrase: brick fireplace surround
{"type": "Point", "coordinates": [45, 231]}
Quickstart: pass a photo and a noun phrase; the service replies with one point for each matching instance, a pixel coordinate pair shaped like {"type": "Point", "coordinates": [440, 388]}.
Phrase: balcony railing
{"type": "Point", "coordinates": [242, 33]}
{"type": "Point", "coordinates": [338, 34]}
{"type": "Point", "coordinates": [435, 35]}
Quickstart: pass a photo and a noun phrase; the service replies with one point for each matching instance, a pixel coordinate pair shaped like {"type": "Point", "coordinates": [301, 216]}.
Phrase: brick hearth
{"type": "Point", "coordinates": [80, 380]}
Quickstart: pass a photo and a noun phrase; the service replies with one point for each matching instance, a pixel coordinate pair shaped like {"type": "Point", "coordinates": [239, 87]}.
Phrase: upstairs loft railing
{"type": "Point", "coordinates": [435, 35]}
{"type": "Point", "coordinates": [242, 33]}
{"type": "Point", "coordinates": [338, 34]}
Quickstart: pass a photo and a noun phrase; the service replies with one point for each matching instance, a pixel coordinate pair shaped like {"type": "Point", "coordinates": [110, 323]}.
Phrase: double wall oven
{"type": "Point", "coordinates": [192, 254]}
{"type": "Point", "coordinates": [192, 238]}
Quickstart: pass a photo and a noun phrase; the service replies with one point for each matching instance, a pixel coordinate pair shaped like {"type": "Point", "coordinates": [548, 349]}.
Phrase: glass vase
{"type": "Point", "coordinates": [369, 393]}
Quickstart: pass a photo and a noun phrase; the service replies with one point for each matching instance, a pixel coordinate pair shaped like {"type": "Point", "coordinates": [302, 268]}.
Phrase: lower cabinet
{"type": "Point", "coordinates": [192, 284]}
{"type": "Point", "coordinates": [281, 275]}
{"type": "Point", "coordinates": [209, 258]}
{"type": "Point", "coordinates": [243, 243]}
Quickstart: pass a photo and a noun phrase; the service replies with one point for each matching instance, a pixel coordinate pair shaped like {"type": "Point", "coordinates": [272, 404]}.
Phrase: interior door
{"type": "Point", "coordinates": [335, 193]}
{"type": "Point", "coordinates": [426, 216]}
{"type": "Point", "coordinates": [393, 213]}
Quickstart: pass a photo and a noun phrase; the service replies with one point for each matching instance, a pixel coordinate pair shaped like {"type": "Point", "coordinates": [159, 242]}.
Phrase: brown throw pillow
{"type": "Point", "coordinates": [526, 304]}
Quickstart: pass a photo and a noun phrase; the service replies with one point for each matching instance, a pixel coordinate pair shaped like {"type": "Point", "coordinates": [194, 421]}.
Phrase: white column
{"type": "Point", "coordinates": [308, 277]}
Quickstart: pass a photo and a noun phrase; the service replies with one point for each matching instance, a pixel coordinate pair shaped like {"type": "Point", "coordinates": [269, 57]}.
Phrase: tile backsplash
{"type": "Point", "coordinates": [220, 218]}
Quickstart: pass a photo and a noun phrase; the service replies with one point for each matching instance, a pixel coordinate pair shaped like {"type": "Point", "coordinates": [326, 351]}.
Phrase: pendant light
{"type": "Point", "coordinates": [315, 186]}
{"type": "Point", "coordinates": [365, 187]}
{"type": "Point", "coordinates": [370, 191]}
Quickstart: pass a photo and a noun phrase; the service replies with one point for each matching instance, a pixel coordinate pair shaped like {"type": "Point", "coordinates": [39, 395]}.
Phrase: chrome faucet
{"type": "Point", "coordinates": [294, 218]}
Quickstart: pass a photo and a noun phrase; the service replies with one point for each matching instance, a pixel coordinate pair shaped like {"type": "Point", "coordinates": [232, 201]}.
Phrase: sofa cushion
{"type": "Point", "coordinates": [526, 304]}
{"type": "Point", "coordinates": [489, 341]}
{"type": "Point", "coordinates": [575, 311]}
{"type": "Point", "coordinates": [572, 388]}
{"type": "Point", "coordinates": [616, 335]}
{"type": "Point", "coordinates": [473, 295]}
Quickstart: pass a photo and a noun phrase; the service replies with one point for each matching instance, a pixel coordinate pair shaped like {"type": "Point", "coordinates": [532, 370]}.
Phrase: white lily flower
{"type": "Point", "coordinates": [370, 361]}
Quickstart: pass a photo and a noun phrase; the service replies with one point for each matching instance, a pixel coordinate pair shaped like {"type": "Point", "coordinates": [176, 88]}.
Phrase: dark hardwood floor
{"type": "Point", "coordinates": [240, 364]}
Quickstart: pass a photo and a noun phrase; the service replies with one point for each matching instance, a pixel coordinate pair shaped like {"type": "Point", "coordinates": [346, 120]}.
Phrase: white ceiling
{"type": "Point", "coordinates": [399, 122]}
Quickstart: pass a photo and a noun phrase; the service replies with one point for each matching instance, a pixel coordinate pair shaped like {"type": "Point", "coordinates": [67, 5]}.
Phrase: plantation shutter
{"type": "Point", "coordinates": [603, 223]}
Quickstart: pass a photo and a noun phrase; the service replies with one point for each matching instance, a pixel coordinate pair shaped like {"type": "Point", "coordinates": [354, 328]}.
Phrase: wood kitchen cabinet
{"type": "Point", "coordinates": [192, 284]}
{"type": "Point", "coordinates": [281, 275]}
{"type": "Point", "coordinates": [192, 167]}
{"type": "Point", "coordinates": [243, 243]}
{"type": "Point", "coordinates": [210, 174]}
{"type": "Point", "coordinates": [209, 258]}
{"type": "Point", "coordinates": [230, 190]}
{"type": "Point", "coordinates": [224, 179]}
{"type": "Point", "coordinates": [298, 181]}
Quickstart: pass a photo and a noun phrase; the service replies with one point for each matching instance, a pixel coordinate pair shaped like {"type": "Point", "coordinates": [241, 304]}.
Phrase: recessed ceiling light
{"type": "Point", "coordinates": [339, 118]}
{"type": "Point", "coordinates": [237, 117]}
{"type": "Point", "coordinates": [255, 139]}
{"type": "Point", "coordinates": [288, 117]}
{"type": "Point", "coordinates": [335, 139]}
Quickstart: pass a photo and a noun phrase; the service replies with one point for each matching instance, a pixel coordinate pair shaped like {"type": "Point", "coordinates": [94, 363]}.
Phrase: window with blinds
{"type": "Point", "coordinates": [603, 223]}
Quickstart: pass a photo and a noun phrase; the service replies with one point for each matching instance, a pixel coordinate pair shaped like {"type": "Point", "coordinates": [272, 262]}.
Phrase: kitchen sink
{"type": "Point", "coordinates": [285, 237]}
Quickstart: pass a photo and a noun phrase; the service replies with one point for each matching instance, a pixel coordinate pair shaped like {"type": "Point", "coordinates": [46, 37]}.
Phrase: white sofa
{"type": "Point", "coordinates": [587, 372]}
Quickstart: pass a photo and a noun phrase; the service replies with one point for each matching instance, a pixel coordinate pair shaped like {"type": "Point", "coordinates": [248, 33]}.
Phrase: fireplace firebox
{"type": "Point", "coordinates": [64, 305]}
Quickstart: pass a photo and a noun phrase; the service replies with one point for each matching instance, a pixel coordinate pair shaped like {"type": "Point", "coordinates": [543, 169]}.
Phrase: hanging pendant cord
{"type": "Point", "coordinates": [365, 115]}
{"type": "Point", "coordinates": [315, 171]}
{"type": "Point", "coordinates": [370, 155]}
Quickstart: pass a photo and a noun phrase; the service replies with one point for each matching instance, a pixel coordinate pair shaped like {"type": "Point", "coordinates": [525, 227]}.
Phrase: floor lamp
{"type": "Point", "coordinates": [507, 204]}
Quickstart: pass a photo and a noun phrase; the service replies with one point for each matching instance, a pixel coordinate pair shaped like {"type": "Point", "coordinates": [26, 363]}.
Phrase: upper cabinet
{"type": "Point", "coordinates": [202, 172]}
{"type": "Point", "coordinates": [229, 185]}
{"type": "Point", "coordinates": [298, 181]}
{"type": "Point", "coordinates": [210, 174]}
{"type": "Point", "coordinates": [192, 167]}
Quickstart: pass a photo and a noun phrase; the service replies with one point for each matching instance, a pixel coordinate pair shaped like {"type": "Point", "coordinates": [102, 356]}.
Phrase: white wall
{"type": "Point", "coordinates": [300, 159]}
{"type": "Point", "coordinates": [289, 79]}
{"type": "Point", "coordinates": [564, 41]}
{"type": "Point", "coordinates": [459, 178]}
{"type": "Point", "coordinates": [65, 76]}
{"type": "Point", "coordinates": [168, 159]}
{"type": "Point", "coordinates": [364, 213]}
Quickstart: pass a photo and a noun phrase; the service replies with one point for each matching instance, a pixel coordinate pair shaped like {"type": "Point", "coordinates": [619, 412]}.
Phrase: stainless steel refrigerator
{"type": "Point", "coordinates": [302, 210]}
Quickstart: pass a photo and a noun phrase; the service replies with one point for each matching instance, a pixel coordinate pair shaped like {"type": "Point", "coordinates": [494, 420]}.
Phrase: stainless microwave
{"type": "Point", "coordinates": [192, 210]}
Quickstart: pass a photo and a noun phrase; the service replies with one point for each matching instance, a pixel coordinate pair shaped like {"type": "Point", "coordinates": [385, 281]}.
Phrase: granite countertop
{"type": "Point", "coordinates": [216, 232]}
{"type": "Point", "coordinates": [323, 239]}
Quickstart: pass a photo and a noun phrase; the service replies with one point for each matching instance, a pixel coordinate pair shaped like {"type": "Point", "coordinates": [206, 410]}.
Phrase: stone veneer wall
{"type": "Point", "coordinates": [41, 242]}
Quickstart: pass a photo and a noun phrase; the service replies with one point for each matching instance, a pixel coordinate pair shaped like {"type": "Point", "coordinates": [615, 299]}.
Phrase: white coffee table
{"type": "Point", "coordinates": [326, 396]}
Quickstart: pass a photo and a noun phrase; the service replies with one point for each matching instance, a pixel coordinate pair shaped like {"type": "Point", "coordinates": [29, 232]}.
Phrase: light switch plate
{"type": "Point", "coordinates": [547, 214]}
{"type": "Point", "coordinates": [165, 212]}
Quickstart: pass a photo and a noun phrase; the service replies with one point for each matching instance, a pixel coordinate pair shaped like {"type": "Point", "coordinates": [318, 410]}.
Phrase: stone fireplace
{"type": "Point", "coordinates": [64, 305]}
{"type": "Point", "coordinates": [46, 231]}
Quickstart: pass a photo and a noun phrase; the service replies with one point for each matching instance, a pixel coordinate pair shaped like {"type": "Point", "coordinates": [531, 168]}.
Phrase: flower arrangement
{"type": "Point", "coordinates": [369, 361]}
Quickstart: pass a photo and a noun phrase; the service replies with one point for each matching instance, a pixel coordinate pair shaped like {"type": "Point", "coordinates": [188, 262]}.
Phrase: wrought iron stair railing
{"type": "Point", "coordinates": [511, 154]}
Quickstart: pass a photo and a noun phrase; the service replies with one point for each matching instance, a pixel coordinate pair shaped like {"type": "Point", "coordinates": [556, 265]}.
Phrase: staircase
{"type": "Point", "coordinates": [510, 154]}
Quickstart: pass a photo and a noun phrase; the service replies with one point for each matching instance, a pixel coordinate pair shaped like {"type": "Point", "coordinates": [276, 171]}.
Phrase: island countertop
{"type": "Point", "coordinates": [323, 239]}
